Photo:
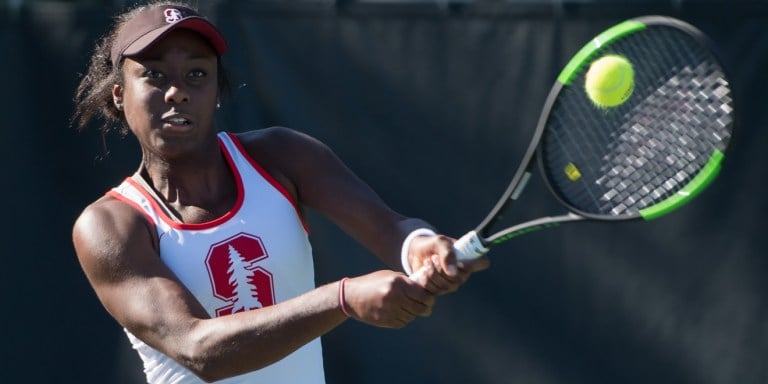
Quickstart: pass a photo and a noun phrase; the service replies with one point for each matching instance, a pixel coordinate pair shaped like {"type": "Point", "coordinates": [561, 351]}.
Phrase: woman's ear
{"type": "Point", "coordinates": [117, 96]}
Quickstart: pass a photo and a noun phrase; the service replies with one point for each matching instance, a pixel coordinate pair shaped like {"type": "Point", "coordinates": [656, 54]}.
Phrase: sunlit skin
{"type": "Point", "coordinates": [168, 97]}
{"type": "Point", "coordinates": [174, 79]}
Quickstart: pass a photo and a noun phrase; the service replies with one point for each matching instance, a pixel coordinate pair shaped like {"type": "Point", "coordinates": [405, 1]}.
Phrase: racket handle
{"type": "Point", "coordinates": [467, 247]}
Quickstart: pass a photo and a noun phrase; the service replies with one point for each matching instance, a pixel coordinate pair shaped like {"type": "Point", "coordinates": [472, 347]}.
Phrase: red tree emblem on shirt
{"type": "Point", "coordinates": [236, 276]}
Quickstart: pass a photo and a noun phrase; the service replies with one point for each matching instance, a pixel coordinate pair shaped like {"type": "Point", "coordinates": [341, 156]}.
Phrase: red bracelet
{"type": "Point", "coordinates": [342, 297]}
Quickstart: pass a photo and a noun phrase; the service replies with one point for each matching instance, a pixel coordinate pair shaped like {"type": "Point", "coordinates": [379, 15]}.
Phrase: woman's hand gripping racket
{"type": "Point", "coordinates": [638, 160]}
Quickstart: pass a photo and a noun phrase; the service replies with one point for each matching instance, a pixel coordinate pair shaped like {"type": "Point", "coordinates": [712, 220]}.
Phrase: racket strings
{"type": "Point", "coordinates": [633, 156]}
{"type": "Point", "coordinates": [673, 150]}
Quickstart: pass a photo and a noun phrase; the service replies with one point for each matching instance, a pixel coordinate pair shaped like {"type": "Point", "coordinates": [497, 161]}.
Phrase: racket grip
{"type": "Point", "coordinates": [469, 247]}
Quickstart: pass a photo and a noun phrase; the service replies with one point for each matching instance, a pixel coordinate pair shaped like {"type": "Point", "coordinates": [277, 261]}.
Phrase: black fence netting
{"type": "Point", "coordinates": [433, 105]}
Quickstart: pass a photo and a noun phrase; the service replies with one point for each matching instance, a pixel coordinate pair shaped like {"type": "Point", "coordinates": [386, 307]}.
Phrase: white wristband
{"type": "Point", "coordinates": [407, 247]}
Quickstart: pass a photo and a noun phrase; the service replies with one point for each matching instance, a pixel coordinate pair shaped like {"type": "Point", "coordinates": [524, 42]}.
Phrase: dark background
{"type": "Point", "coordinates": [432, 103]}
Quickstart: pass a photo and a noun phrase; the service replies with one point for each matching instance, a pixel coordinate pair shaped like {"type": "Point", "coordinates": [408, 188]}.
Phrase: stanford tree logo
{"type": "Point", "coordinates": [236, 276]}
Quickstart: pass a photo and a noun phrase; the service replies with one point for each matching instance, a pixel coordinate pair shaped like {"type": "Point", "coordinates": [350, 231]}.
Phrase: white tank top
{"type": "Point", "coordinates": [256, 255]}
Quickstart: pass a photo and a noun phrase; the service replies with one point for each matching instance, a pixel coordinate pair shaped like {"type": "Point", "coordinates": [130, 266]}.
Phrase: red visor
{"type": "Point", "coordinates": [149, 25]}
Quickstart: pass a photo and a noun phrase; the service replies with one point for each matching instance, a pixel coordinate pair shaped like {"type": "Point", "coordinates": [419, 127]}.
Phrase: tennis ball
{"type": "Point", "coordinates": [610, 81]}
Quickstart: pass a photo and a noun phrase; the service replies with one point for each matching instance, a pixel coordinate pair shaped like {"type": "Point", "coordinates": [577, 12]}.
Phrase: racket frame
{"type": "Point", "coordinates": [477, 242]}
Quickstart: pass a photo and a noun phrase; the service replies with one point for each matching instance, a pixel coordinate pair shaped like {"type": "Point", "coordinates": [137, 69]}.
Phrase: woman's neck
{"type": "Point", "coordinates": [194, 190]}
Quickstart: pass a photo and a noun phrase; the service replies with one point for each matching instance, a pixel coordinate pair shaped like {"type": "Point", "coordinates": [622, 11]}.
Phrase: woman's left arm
{"type": "Point", "coordinates": [322, 182]}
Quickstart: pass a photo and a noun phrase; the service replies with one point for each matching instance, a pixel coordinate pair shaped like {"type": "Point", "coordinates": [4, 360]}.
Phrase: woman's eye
{"type": "Point", "coordinates": [197, 73]}
{"type": "Point", "coordinates": [153, 74]}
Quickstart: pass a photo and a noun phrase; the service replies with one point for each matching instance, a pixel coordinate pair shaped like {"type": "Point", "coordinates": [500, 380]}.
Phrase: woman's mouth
{"type": "Point", "coordinates": [176, 123]}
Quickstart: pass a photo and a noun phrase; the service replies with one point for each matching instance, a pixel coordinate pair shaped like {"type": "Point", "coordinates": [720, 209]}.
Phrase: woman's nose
{"type": "Point", "coordinates": [176, 94]}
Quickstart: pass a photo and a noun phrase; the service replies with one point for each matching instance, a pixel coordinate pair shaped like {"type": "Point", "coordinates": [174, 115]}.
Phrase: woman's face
{"type": "Point", "coordinates": [169, 94]}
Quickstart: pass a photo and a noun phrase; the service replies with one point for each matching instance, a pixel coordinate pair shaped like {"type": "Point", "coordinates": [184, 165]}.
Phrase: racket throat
{"type": "Point", "coordinates": [533, 226]}
{"type": "Point", "coordinates": [521, 186]}
{"type": "Point", "coordinates": [513, 192]}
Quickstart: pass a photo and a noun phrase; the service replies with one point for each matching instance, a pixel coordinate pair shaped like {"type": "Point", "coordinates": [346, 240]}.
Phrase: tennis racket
{"type": "Point", "coordinates": [640, 160]}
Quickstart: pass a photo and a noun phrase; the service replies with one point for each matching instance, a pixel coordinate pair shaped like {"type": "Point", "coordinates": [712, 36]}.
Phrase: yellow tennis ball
{"type": "Point", "coordinates": [610, 81]}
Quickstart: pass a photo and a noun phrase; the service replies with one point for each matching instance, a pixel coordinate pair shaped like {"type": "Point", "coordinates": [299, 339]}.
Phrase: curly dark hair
{"type": "Point", "coordinates": [93, 97]}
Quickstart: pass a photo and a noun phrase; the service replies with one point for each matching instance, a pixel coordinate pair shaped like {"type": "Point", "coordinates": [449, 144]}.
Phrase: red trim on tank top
{"type": "Point", "coordinates": [208, 224]}
{"type": "Point", "coordinates": [268, 177]}
{"type": "Point", "coordinates": [116, 195]}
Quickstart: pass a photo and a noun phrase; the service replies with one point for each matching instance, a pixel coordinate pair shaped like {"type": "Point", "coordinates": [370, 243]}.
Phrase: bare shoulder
{"type": "Point", "coordinates": [104, 231]}
{"type": "Point", "coordinates": [295, 159]}
{"type": "Point", "coordinates": [279, 142]}
{"type": "Point", "coordinates": [105, 214]}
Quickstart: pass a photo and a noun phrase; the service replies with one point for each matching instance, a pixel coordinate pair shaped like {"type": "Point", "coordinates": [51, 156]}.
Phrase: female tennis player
{"type": "Point", "coordinates": [202, 255]}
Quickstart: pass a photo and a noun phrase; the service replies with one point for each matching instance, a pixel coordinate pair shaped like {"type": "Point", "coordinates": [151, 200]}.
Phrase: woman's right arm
{"type": "Point", "coordinates": [116, 249]}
